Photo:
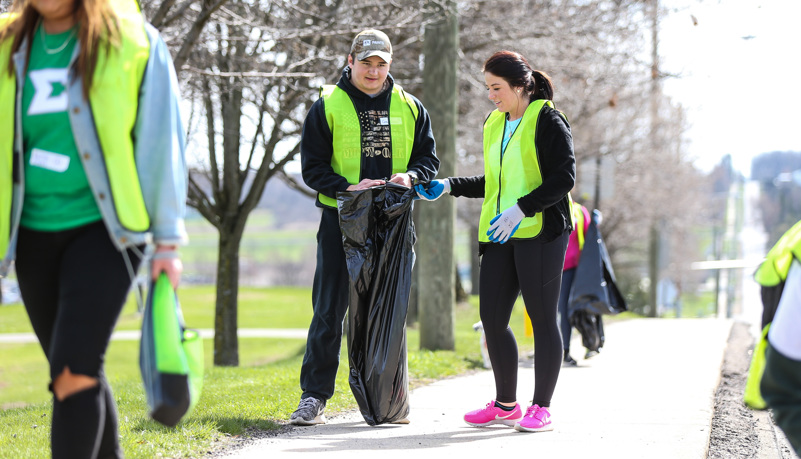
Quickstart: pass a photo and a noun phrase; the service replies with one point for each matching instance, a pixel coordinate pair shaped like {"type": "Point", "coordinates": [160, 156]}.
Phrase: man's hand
{"type": "Point", "coordinates": [433, 189]}
{"type": "Point", "coordinates": [402, 178]}
{"type": "Point", "coordinates": [365, 184]}
{"type": "Point", "coordinates": [166, 260]}
{"type": "Point", "coordinates": [503, 226]}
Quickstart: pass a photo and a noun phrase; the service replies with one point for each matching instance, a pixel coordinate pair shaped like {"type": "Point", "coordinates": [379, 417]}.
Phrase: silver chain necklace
{"type": "Point", "coordinates": [60, 48]}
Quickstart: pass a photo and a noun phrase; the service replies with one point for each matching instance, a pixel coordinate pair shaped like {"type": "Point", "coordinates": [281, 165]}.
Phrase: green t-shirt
{"type": "Point", "coordinates": [57, 192]}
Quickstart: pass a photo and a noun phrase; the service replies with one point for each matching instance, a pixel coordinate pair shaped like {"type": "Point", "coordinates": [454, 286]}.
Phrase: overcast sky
{"type": "Point", "coordinates": [740, 70]}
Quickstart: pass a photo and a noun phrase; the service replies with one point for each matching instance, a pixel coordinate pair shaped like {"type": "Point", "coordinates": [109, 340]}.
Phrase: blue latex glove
{"type": "Point", "coordinates": [504, 225]}
{"type": "Point", "coordinates": [433, 189]}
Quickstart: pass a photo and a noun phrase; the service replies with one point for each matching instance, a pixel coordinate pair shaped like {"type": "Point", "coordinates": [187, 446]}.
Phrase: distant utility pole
{"type": "Point", "coordinates": [655, 234]}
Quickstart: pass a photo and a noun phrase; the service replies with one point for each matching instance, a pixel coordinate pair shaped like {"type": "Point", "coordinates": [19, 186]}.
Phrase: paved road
{"type": "Point", "coordinates": [649, 394]}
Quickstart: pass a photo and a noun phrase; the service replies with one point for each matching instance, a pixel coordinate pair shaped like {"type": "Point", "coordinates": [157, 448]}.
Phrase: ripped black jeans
{"type": "Point", "coordinates": [74, 284]}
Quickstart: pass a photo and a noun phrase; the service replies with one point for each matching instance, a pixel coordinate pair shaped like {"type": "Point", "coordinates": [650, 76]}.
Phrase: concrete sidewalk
{"type": "Point", "coordinates": [649, 394]}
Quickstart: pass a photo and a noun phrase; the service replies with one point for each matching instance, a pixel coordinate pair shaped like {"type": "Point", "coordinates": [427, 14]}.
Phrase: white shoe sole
{"type": "Point", "coordinates": [547, 428]}
{"type": "Point", "coordinates": [302, 422]}
{"type": "Point", "coordinates": [505, 422]}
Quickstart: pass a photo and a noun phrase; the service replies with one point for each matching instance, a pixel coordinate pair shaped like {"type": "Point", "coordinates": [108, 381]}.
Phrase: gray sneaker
{"type": "Point", "coordinates": [309, 412]}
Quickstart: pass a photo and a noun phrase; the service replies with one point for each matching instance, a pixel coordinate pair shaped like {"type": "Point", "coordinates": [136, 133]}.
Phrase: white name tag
{"type": "Point", "coordinates": [384, 121]}
{"type": "Point", "coordinates": [55, 162]}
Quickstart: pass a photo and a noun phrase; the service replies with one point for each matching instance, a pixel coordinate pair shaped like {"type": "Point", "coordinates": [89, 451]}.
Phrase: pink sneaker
{"type": "Point", "coordinates": [493, 415]}
{"type": "Point", "coordinates": [537, 419]}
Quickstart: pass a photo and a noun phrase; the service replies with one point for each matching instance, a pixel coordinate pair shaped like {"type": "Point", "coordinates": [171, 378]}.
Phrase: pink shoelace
{"type": "Point", "coordinates": [537, 412]}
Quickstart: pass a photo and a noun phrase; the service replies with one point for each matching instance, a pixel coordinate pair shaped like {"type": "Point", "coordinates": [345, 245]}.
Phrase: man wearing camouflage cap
{"type": "Point", "coordinates": [359, 132]}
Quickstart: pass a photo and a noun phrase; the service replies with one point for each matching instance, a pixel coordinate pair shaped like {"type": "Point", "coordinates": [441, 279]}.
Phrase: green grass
{"type": "Point", "coordinates": [261, 242]}
{"type": "Point", "coordinates": [700, 304]}
{"type": "Point", "coordinates": [259, 394]}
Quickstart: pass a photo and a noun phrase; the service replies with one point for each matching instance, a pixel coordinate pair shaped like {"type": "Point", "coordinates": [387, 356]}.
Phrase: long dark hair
{"type": "Point", "coordinates": [515, 70]}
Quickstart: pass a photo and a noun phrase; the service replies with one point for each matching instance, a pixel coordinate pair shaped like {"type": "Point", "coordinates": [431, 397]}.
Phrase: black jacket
{"type": "Point", "coordinates": [557, 161]}
{"type": "Point", "coordinates": [316, 143]}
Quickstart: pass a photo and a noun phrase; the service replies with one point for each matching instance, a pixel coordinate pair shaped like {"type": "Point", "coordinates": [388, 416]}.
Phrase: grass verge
{"type": "Point", "coordinates": [259, 394]}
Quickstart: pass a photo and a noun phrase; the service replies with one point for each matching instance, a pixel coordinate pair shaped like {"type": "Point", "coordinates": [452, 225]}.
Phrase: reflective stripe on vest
{"type": "Point", "coordinates": [773, 271]}
{"type": "Point", "coordinates": [511, 174]}
{"type": "Point", "coordinates": [113, 97]}
{"type": "Point", "coordinates": [8, 91]}
{"type": "Point", "coordinates": [343, 121]}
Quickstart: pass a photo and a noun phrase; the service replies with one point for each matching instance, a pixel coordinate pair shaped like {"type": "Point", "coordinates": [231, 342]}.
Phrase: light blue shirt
{"type": "Point", "coordinates": [509, 128]}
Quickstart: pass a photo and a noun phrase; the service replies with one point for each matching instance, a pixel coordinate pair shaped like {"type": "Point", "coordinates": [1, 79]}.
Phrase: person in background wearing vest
{"type": "Point", "coordinates": [780, 383]}
{"type": "Point", "coordinates": [92, 170]}
{"type": "Point", "coordinates": [529, 169]}
{"type": "Point", "coordinates": [360, 132]}
{"type": "Point", "coordinates": [581, 218]}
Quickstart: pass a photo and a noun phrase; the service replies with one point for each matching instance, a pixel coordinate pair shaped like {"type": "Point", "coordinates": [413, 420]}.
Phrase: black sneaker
{"type": "Point", "coordinates": [591, 354]}
{"type": "Point", "coordinates": [309, 412]}
{"type": "Point", "coordinates": [569, 361]}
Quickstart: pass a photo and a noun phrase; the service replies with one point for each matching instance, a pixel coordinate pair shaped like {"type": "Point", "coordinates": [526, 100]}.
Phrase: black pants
{"type": "Point", "coordinates": [330, 302]}
{"type": "Point", "coordinates": [564, 297]}
{"type": "Point", "coordinates": [533, 268]}
{"type": "Point", "coordinates": [74, 284]}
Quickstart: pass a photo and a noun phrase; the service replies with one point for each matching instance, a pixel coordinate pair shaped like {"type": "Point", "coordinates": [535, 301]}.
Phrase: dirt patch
{"type": "Point", "coordinates": [736, 430]}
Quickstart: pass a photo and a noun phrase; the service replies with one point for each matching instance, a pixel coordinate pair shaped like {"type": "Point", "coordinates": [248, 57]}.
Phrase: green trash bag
{"type": "Point", "coordinates": [170, 356]}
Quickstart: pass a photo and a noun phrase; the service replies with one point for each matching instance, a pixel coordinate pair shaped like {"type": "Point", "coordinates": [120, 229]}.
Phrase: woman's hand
{"type": "Point", "coordinates": [504, 225]}
{"type": "Point", "coordinates": [433, 189]}
{"type": "Point", "coordinates": [166, 259]}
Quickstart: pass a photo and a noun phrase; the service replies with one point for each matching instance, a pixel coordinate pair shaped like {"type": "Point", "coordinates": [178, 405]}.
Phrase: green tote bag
{"type": "Point", "coordinates": [170, 356]}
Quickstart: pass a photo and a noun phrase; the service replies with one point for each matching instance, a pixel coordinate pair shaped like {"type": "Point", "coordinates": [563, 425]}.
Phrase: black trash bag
{"type": "Point", "coordinates": [591, 327]}
{"type": "Point", "coordinates": [378, 237]}
{"type": "Point", "coordinates": [594, 291]}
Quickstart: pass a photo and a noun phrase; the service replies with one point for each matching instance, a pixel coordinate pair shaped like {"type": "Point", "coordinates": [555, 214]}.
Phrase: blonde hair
{"type": "Point", "coordinates": [97, 23]}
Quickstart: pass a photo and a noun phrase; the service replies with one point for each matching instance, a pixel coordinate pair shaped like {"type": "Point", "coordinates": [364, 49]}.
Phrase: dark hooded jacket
{"type": "Point", "coordinates": [316, 145]}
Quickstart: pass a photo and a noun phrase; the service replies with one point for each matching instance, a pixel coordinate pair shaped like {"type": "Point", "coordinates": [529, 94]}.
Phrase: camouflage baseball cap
{"type": "Point", "coordinates": [371, 43]}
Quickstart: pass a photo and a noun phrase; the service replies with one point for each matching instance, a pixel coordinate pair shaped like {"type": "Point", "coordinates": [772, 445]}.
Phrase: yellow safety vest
{"type": "Point", "coordinates": [578, 219]}
{"type": "Point", "coordinates": [113, 97]}
{"type": "Point", "coordinates": [8, 90]}
{"type": "Point", "coordinates": [771, 273]}
{"type": "Point", "coordinates": [513, 173]}
{"type": "Point", "coordinates": [343, 121]}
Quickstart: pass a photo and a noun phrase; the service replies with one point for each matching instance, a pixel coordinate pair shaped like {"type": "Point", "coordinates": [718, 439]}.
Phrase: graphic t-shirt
{"type": "Point", "coordinates": [57, 192]}
{"type": "Point", "coordinates": [376, 134]}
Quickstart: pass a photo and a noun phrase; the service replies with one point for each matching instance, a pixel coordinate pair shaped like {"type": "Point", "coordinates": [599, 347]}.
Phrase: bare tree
{"type": "Point", "coordinates": [251, 76]}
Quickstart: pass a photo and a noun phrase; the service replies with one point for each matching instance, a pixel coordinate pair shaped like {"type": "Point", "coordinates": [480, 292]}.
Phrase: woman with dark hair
{"type": "Point", "coordinates": [529, 169]}
{"type": "Point", "coordinates": [92, 170]}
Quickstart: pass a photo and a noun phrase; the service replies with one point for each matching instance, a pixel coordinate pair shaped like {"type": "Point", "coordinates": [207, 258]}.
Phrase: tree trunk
{"type": "Point", "coordinates": [226, 345]}
{"type": "Point", "coordinates": [653, 270]}
{"type": "Point", "coordinates": [435, 246]}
